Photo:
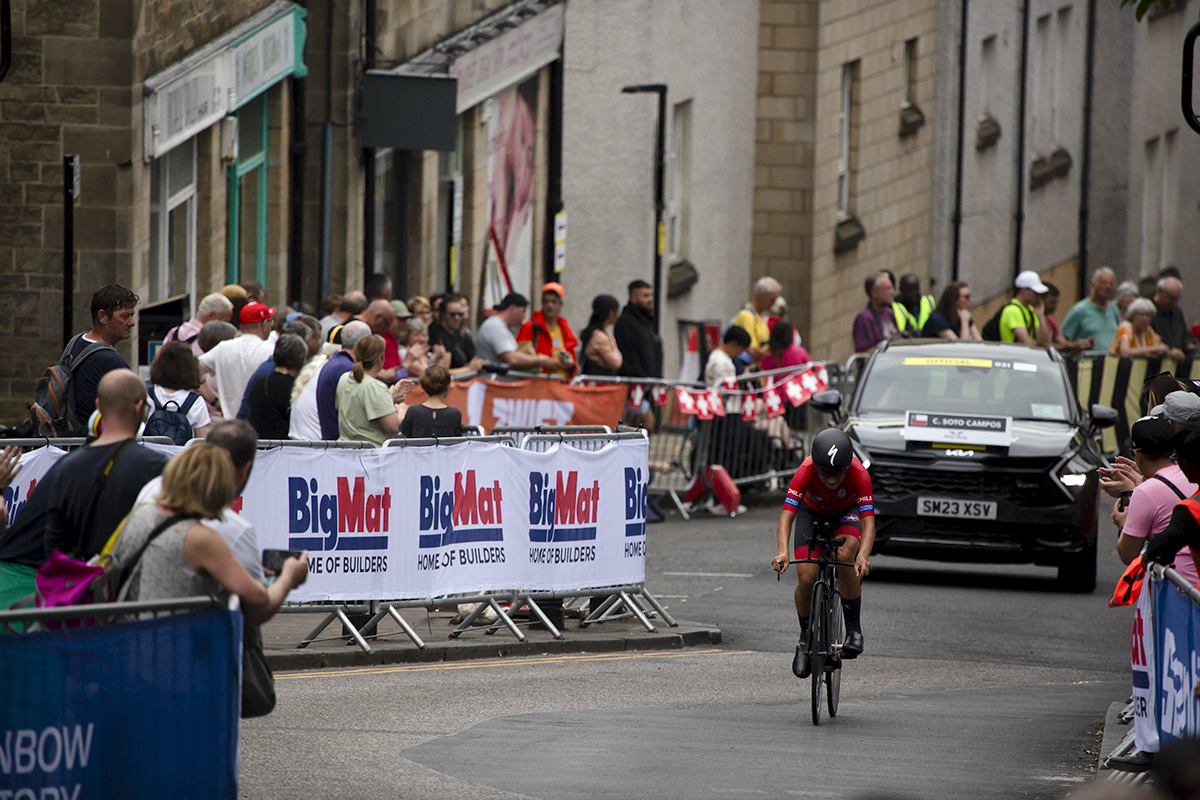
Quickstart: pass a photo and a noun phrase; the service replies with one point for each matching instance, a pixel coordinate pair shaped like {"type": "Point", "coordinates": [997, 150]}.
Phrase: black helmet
{"type": "Point", "coordinates": [831, 451]}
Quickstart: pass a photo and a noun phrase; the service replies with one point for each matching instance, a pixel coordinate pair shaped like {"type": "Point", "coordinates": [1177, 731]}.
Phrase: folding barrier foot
{"type": "Point", "coordinates": [601, 613]}
{"type": "Point", "coordinates": [354, 634]}
{"type": "Point", "coordinates": [636, 610]}
{"type": "Point", "coordinates": [312, 636]}
{"type": "Point", "coordinates": [541, 615]}
{"type": "Point", "coordinates": [662, 612]}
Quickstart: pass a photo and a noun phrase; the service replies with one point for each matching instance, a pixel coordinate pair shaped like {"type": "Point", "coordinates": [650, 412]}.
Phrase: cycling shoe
{"type": "Point", "coordinates": [800, 665]}
{"type": "Point", "coordinates": [853, 645]}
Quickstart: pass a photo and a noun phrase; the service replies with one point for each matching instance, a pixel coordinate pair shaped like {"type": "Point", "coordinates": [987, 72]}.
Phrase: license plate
{"type": "Point", "coordinates": [957, 509]}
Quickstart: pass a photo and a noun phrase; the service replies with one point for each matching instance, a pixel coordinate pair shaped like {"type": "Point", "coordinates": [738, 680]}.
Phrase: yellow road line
{"type": "Point", "coordinates": [503, 662]}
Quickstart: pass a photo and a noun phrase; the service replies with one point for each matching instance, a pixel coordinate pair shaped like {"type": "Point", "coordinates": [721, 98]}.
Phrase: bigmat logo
{"type": "Point", "coordinates": [636, 490]}
{"type": "Point", "coordinates": [468, 514]}
{"type": "Point", "coordinates": [564, 513]}
{"type": "Point", "coordinates": [350, 511]}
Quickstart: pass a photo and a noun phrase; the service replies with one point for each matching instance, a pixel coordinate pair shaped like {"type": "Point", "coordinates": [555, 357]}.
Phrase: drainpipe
{"type": "Point", "coordinates": [327, 162]}
{"type": "Point", "coordinates": [962, 123]}
{"type": "Point", "coordinates": [368, 153]}
{"type": "Point", "coordinates": [1019, 215]}
{"type": "Point", "coordinates": [1085, 166]}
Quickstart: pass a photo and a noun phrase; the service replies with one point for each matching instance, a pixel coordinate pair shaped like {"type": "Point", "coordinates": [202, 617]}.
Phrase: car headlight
{"type": "Point", "coordinates": [1074, 473]}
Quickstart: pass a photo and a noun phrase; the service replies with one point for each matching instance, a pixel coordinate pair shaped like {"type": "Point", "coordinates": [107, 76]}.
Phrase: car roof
{"type": "Point", "coordinates": [972, 349]}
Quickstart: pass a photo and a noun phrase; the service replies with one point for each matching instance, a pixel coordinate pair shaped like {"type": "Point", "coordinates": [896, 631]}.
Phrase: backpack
{"type": "Point", "coordinates": [53, 410]}
{"type": "Point", "coordinates": [170, 419]}
{"type": "Point", "coordinates": [991, 330]}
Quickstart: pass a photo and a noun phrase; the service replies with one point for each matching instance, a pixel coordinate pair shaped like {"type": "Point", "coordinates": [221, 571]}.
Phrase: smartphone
{"type": "Point", "coordinates": [273, 559]}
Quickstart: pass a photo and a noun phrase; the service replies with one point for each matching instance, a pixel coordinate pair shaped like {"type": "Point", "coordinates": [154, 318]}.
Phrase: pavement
{"type": "Point", "coordinates": [283, 633]}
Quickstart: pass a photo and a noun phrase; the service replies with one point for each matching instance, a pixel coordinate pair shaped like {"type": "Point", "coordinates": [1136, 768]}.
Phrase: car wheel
{"type": "Point", "coordinates": [1077, 572]}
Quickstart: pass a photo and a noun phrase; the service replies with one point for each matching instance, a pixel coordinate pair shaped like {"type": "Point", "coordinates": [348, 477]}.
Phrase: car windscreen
{"type": "Point", "coordinates": [900, 381]}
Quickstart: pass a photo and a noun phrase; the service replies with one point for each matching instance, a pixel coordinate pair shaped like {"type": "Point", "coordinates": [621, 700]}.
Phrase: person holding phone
{"type": "Point", "coordinates": [187, 558]}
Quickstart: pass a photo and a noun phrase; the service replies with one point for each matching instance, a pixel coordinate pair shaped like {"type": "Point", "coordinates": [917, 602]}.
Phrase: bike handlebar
{"type": "Point", "coordinates": [779, 575]}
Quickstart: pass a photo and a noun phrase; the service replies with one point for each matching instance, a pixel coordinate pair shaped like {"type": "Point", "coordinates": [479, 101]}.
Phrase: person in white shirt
{"type": "Point", "coordinates": [233, 362]}
{"type": "Point", "coordinates": [305, 422]}
{"type": "Point", "coordinates": [720, 367]}
{"type": "Point", "coordinates": [239, 438]}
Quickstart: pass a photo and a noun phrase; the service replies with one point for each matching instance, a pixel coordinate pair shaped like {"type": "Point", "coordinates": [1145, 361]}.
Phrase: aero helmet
{"type": "Point", "coordinates": [831, 451]}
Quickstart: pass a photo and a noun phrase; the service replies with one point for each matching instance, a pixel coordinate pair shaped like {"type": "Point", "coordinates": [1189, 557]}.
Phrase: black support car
{"type": "Point", "coordinates": [978, 451]}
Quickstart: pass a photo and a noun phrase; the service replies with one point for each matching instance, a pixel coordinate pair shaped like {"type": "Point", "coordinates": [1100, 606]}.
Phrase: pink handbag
{"type": "Point", "coordinates": [65, 581]}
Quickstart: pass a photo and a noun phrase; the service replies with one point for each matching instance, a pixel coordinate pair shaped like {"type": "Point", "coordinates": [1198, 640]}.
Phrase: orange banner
{"type": "Point", "coordinates": [532, 402]}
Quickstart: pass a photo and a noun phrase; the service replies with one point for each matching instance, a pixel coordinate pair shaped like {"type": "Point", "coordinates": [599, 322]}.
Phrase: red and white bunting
{"type": "Point", "coordinates": [661, 395]}
{"type": "Point", "coordinates": [685, 400]}
{"type": "Point", "coordinates": [773, 402]}
{"type": "Point", "coordinates": [795, 392]}
{"type": "Point", "coordinates": [636, 392]}
{"type": "Point", "coordinates": [702, 409]}
{"type": "Point", "coordinates": [749, 407]}
{"type": "Point", "coordinates": [715, 403]}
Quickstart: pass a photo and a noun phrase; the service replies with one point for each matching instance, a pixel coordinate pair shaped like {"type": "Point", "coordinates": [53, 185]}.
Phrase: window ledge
{"type": "Point", "coordinates": [1048, 168]}
{"type": "Point", "coordinates": [911, 120]}
{"type": "Point", "coordinates": [848, 234]}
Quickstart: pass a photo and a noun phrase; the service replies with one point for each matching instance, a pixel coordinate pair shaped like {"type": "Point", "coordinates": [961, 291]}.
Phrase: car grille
{"type": "Point", "coordinates": [896, 482]}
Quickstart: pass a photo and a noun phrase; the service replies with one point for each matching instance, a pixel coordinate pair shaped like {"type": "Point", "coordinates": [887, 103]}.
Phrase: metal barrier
{"type": "Point", "coordinates": [31, 618]}
{"type": "Point", "coordinates": [447, 441]}
{"type": "Point", "coordinates": [71, 442]}
{"type": "Point", "coordinates": [674, 437]}
{"type": "Point", "coordinates": [540, 443]}
{"type": "Point", "coordinates": [518, 432]}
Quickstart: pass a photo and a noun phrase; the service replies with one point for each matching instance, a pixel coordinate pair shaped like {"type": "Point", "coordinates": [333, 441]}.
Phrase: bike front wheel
{"type": "Point", "coordinates": [837, 635]}
{"type": "Point", "coordinates": [818, 645]}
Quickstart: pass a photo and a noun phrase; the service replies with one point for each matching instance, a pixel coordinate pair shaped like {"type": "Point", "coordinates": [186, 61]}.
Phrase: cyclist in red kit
{"type": "Point", "coordinates": [830, 485]}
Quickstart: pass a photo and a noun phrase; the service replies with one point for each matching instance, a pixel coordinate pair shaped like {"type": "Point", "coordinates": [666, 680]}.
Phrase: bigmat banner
{"type": "Point", "coordinates": [418, 522]}
{"type": "Point", "coordinates": [142, 709]}
{"type": "Point", "coordinates": [533, 402]}
{"type": "Point", "coordinates": [34, 466]}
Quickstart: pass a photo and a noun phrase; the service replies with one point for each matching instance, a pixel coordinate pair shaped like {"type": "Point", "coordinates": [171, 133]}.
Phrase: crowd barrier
{"type": "Point", "coordinates": [756, 427]}
{"type": "Point", "coordinates": [1165, 648]}
{"type": "Point", "coordinates": [146, 704]}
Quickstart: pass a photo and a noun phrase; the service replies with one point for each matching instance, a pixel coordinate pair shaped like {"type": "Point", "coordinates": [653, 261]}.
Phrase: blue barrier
{"type": "Point", "coordinates": [1177, 657]}
{"type": "Point", "coordinates": [141, 709]}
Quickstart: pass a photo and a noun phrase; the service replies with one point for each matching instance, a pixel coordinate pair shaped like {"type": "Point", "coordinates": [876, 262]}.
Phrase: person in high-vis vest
{"type": "Point", "coordinates": [911, 308]}
{"type": "Point", "coordinates": [1184, 528]}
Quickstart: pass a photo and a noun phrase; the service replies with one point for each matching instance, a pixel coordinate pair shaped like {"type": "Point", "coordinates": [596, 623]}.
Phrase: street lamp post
{"type": "Point", "coordinates": [660, 232]}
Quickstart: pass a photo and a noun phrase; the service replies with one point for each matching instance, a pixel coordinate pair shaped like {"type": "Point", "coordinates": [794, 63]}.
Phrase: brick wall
{"type": "Point", "coordinates": [783, 175]}
{"type": "Point", "coordinates": [72, 89]}
{"type": "Point", "coordinates": [892, 177]}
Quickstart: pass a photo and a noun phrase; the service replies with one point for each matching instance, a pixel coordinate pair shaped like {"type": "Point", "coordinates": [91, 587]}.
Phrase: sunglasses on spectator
{"type": "Point", "coordinates": [456, 313]}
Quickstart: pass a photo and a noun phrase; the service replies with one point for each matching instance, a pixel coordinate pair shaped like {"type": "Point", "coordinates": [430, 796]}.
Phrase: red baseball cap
{"type": "Point", "coordinates": [253, 313]}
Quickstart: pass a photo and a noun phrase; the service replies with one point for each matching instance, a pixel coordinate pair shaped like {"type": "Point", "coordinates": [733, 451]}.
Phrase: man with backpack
{"type": "Point", "coordinates": [77, 505]}
{"type": "Point", "coordinates": [1022, 320]}
{"type": "Point", "coordinates": [66, 399]}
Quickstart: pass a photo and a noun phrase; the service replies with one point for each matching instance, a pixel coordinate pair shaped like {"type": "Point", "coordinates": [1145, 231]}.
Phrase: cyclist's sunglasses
{"type": "Point", "coordinates": [832, 474]}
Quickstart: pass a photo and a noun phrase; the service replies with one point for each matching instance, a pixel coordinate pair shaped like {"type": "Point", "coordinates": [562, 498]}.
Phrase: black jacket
{"type": "Point", "coordinates": [641, 348]}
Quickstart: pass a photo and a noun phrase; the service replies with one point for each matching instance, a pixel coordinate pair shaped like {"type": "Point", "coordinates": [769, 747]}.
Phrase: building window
{"type": "Point", "coordinates": [173, 224]}
{"type": "Point", "coordinates": [845, 140]}
{"type": "Point", "coordinates": [1159, 203]}
{"type": "Point", "coordinates": [450, 212]}
{"type": "Point", "coordinates": [910, 73]}
{"type": "Point", "coordinates": [1060, 55]}
{"type": "Point", "coordinates": [679, 189]}
{"type": "Point", "coordinates": [246, 254]}
{"type": "Point", "coordinates": [987, 68]}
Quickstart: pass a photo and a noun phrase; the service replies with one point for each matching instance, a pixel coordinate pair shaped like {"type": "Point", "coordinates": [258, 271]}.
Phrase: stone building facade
{"type": "Point", "coordinates": [846, 94]}
{"type": "Point", "coordinates": [152, 212]}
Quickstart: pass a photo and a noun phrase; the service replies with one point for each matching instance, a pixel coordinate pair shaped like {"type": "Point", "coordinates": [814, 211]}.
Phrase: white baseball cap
{"type": "Point", "coordinates": [1178, 407]}
{"type": "Point", "coordinates": [1030, 280]}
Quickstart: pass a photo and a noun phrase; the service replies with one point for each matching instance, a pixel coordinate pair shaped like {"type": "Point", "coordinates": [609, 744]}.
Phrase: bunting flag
{"type": "Point", "coordinates": [661, 395]}
{"type": "Point", "coordinates": [636, 392]}
{"type": "Point", "coordinates": [749, 407]}
{"type": "Point", "coordinates": [702, 409]}
{"type": "Point", "coordinates": [685, 400]}
{"type": "Point", "coordinates": [715, 404]}
{"type": "Point", "coordinates": [773, 402]}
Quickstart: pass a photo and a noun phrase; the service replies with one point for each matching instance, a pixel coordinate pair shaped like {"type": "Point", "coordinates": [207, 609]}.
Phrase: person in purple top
{"type": "Point", "coordinates": [876, 322]}
{"type": "Point", "coordinates": [338, 365]}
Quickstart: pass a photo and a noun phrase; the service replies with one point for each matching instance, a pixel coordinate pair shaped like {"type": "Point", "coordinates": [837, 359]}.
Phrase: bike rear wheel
{"type": "Point", "coordinates": [818, 645]}
{"type": "Point", "coordinates": [837, 635]}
